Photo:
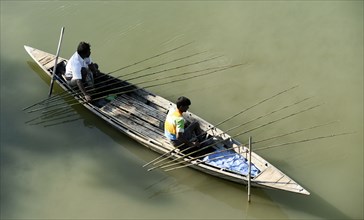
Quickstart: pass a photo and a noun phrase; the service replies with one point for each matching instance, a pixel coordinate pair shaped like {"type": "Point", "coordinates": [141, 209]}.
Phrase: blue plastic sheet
{"type": "Point", "coordinates": [230, 160]}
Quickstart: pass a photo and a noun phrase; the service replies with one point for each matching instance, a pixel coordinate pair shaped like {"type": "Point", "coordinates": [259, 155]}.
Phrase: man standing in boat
{"type": "Point", "coordinates": [80, 70]}
{"type": "Point", "coordinates": [177, 129]}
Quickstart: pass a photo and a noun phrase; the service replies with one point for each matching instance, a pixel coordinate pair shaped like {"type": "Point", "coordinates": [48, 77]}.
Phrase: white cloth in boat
{"type": "Point", "coordinates": [74, 66]}
{"type": "Point", "coordinates": [230, 160]}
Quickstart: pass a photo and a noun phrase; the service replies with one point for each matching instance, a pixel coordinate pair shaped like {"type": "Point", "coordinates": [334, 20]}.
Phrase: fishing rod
{"type": "Point", "coordinates": [82, 101]}
{"type": "Point", "coordinates": [130, 65]}
{"type": "Point", "coordinates": [194, 161]}
{"type": "Point", "coordinates": [168, 164]}
{"type": "Point", "coordinates": [270, 113]}
{"type": "Point", "coordinates": [149, 74]}
{"type": "Point", "coordinates": [161, 78]}
{"type": "Point", "coordinates": [161, 71]}
{"type": "Point", "coordinates": [282, 118]}
{"type": "Point", "coordinates": [305, 140]}
{"type": "Point", "coordinates": [57, 112]}
{"type": "Point", "coordinates": [229, 118]}
{"type": "Point", "coordinates": [155, 56]}
{"type": "Point", "coordinates": [273, 146]}
{"type": "Point", "coordinates": [125, 86]}
{"type": "Point", "coordinates": [92, 88]}
{"type": "Point", "coordinates": [238, 126]}
{"type": "Point", "coordinates": [264, 100]}
{"type": "Point", "coordinates": [162, 64]}
{"type": "Point", "coordinates": [293, 132]}
{"type": "Point", "coordinates": [241, 133]}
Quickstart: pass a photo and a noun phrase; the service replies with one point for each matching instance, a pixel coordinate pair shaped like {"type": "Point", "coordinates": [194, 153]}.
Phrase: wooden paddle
{"type": "Point", "coordinates": [55, 63]}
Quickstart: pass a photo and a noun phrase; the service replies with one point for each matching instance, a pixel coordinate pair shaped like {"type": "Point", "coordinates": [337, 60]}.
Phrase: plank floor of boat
{"type": "Point", "coordinates": [139, 117]}
{"type": "Point", "coordinates": [272, 177]}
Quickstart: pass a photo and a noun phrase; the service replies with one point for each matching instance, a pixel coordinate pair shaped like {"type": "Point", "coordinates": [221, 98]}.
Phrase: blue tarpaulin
{"type": "Point", "coordinates": [230, 160]}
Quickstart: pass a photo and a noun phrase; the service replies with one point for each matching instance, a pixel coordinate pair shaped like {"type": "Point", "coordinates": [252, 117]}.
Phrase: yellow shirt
{"type": "Point", "coordinates": [174, 124]}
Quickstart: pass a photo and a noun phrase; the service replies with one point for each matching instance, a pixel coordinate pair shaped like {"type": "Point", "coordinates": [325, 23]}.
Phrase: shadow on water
{"type": "Point", "coordinates": [160, 186]}
{"type": "Point", "coordinates": [121, 170]}
{"type": "Point", "coordinates": [314, 205]}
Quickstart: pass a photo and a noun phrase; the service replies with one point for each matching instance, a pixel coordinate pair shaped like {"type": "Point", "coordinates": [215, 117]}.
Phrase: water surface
{"type": "Point", "coordinates": [86, 169]}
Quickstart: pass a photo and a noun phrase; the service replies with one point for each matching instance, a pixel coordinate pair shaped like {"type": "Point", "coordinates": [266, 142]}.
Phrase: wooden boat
{"type": "Point", "coordinates": [140, 114]}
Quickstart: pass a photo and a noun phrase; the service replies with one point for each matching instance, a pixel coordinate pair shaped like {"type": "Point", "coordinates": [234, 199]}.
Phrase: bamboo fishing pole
{"type": "Point", "coordinates": [160, 78]}
{"type": "Point", "coordinates": [227, 119]}
{"type": "Point", "coordinates": [263, 148]}
{"type": "Point", "coordinates": [92, 88]}
{"type": "Point", "coordinates": [282, 118]}
{"type": "Point", "coordinates": [81, 101]}
{"type": "Point", "coordinates": [258, 103]}
{"type": "Point", "coordinates": [197, 162]}
{"type": "Point", "coordinates": [270, 113]}
{"type": "Point", "coordinates": [240, 125]}
{"type": "Point", "coordinates": [161, 71]}
{"type": "Point", "coordinates": [194, 158]}
{"type": "Point", "coordinates": [155, 56]}
{"type": "Point", "coordinates": [130, 85]}
{"type": "Point", "coordinates": [149, 74]}
{"type": "Point", "coordinates": [293, 132]}
{"type": "Point", "coordinates": [198, 150]}
{"type": "Point", "coordinates": [239, 134]}
{"type": "Point", "coordinates": [130, 65]}
{"type": "Point", "coordinates": [305, 140]}
{"type": "Point", "coordinates": [163, 64]}
{"type": "Point", "coordinates": [56, 111]}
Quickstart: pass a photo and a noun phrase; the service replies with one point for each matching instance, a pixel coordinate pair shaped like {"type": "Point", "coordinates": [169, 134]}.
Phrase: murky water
{"type": "Point", "coordinates": [86, 169]}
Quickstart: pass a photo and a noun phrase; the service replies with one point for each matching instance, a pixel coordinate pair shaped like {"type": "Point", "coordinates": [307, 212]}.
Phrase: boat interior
{"type": "Point", "coordinates": [144, 113]}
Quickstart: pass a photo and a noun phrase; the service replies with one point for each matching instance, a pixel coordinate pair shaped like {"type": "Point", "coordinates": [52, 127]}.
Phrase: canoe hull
{"type": "Point", "coordinates": [140, 115]}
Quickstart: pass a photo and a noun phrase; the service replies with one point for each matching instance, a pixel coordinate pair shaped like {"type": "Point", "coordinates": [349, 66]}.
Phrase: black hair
{"type": "Point", "coordinates": [183, 101]}
{"type": "Point", "coordinates": [83, 48]}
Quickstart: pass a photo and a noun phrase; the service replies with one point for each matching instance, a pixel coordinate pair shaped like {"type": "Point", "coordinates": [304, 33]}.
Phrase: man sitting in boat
{"type": "Point", "coordinates": [178, 130]}
{"type": "Point", "coordinates": [80, 70]}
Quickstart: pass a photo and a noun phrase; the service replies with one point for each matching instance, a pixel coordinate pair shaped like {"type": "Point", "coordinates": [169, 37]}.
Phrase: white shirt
{"type": "Point", "coordinates": [74, 65]}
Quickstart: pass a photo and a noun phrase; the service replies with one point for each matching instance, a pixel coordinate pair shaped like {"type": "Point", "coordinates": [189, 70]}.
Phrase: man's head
{"type": "Point", "coordinates": [183, 104]}
{"type": "Point", "coordinates": [84, 49]}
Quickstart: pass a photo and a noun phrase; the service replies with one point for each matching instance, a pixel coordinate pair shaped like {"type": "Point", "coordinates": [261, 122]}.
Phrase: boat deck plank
{"type": "Point", "coordinates": [269, 175]}
{"type": "Point", "coordinates": [142, 107]}
{"type": "Point", "coordinates": [134, 123]}
{"type": "Point", "coordinates": [161, 103]}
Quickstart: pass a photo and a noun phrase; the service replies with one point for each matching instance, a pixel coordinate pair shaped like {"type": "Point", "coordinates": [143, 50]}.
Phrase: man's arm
{"type": "Point", "coordinates": [83, 90]}
{"type": "Point", "coordinates": [187, 142]}
{"type": "Point", "coordinates": [94, 69]}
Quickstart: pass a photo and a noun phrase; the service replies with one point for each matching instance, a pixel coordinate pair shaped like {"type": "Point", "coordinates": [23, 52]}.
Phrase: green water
{"type": "Point", "coordinates": [85, 169]}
